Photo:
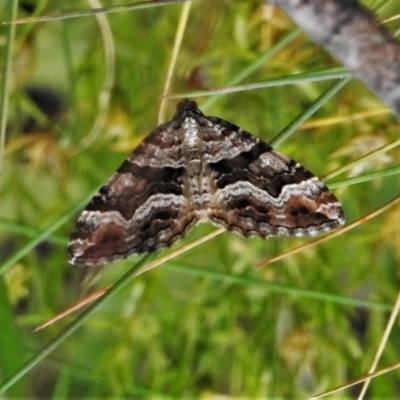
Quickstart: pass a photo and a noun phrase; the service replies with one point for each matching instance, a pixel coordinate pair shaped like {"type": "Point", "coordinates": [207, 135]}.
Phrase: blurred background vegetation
{"type": "Point", "coordinates": [83, 93]}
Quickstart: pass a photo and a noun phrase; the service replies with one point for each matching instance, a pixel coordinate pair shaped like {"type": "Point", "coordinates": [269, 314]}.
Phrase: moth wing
{"type": "Point", "coordinates": [141, 208]}
{"type": "Point", "coordinates": [257, 191]}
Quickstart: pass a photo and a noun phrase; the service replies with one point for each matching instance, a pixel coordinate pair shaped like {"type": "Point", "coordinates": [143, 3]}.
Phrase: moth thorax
{"type": "Point", "coordinates": [191, 137]}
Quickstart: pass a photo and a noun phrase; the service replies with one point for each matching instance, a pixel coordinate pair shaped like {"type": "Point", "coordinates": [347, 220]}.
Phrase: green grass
{"type": "Point", "coordinates": [206, 322]}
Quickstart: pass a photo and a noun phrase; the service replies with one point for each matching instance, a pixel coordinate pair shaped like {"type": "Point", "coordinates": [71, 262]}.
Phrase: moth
{"type": "Point", "coordinates": [193, 169]}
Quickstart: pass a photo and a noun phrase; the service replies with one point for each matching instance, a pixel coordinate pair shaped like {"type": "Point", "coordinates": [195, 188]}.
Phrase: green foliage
{"type": "Point", "coordinates": [206, 323]}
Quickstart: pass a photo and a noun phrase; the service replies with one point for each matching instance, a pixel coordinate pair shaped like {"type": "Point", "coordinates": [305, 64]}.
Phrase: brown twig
{"type": "Point", "coordinates": [351, 33]}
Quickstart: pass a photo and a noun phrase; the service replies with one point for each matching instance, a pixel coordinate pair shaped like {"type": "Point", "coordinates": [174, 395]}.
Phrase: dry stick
{"type": "Point", "coordinates": [73, 308]}
{"type": "Point", "coordinates": [380, 150]}
{"type": "Point", "coordinates": [338, 232]}
{"type": "Point", "coordinates": [353, 35]}
{"type": "Point", "coordinates": [175, 51]}
{"type": "Point", "coordinates": [357, 381]}
{"type": "Point", "coordinates": [393, 315]}
{"type": "Point", "coordinates": [341, 119]}
{"type": "Point", "coordinates": [389, 326]}
{"type": "Point", "coordinates": [148, 267]}
{"type": "Point", "coordinates": [372, 373]}
{"type": "Point", "coordinates": [74, 325]}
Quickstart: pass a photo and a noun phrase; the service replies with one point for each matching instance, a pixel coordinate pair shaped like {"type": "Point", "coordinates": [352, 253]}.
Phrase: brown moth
{"type": "Point", "coordinates": [194, 169]}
